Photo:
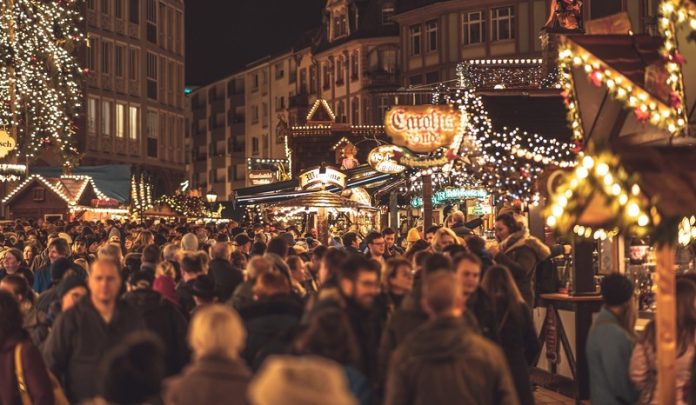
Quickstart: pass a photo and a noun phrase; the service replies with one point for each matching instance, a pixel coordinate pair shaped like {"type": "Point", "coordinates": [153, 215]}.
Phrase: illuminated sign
{"type": "Point", "coordinates": [384, 160]}
{"type": "Point", "coordinates": [259, 177]}
{"type": "Point", "coordinates": [7, 143]}
{"type": "Point", "coordinates": [320, 178]}
{"type": "Point", "coordinates": [450, 194]}
{"type": "Point", "coordinates": [424, 128]}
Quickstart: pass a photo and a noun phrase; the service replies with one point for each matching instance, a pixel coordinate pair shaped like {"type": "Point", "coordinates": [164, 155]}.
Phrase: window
{"type": "Point", "coordinates": [106, 118]}
{"type": "Point", "coordinates": [303, 81]}
{"type": "Point", "coordinates": [415, 80]}
{"type": "Point", "coordinates": [354, 65]}
{"type": "Point", "coordinates": [503, 21]}
{"type": "Point", "coordinates": [255, 82]}
{"type": "Point", "coordinates": [340, 24]}
{"type": "Point", "coordinates": [152, 133]}
{"type": "Point", "coordinates": [339, 70]}
{"type": "Point", "coordinates": [432, 77]}
{"type": "Point", "coordinates": [254, 114]}
{"type": "Point", "coordinates": [389, 60]}
{"type": "Point", "coordinates": [151, 18]}
{"type": "Point", "coordinates": [313, 79]}
{"type": "Point", "coordinates": [279, 71]}
{"type": "Point", "coordinates": [387, 14]}
{"type": "Point", "coordinates": [92, 54]}
{"type": "Point", "coordinates": [341, 112]}
{"type": "Point", "coordinates": [133, 64]}
{"type": "Point", "coordinates": [152, 75]}
{"type": "Point", "coordinates": [264, 114]}
{"type": "Point", "coordinates": [118, 9]}
{"type": "Point", "coordinates": [38, 194]}
{"type": "Point", "coordinates": [134, 11]}
{"type": "Point", "coordinates": [119, 120]}
{"type": "Point", "coordinates": [255, 145]}
{"type": "Point", "coordinates": [280, 103]}
{"type": "Point", "coordinates": [383, 106]}
{"type": "Point", "coordinates": [133, 123]}
{"type": "Point", "coordinates": [327, 76]}
{"type": "Point", "coordinates": [106, 57]}
{"type": "Point", "coordinates": [118, 61]}
{"type": "Point", "coordinates": [415, 40]}
{"type": "Point", "coordinates": [91, 5]}
{"type": "Point", "coordinates": [473, 28]}
{"type": "Point", "coordinates": [105, 6]}
{"type": "Point", "coordinates": [92, 116]}
{"type": "Point", "coordinates": [431, 36]}
{"type": "Point", "coordinates": [355, 111]}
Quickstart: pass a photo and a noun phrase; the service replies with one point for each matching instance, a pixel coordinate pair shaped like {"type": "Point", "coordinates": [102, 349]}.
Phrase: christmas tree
{"type": "Point", "coordinates": [40, 91]}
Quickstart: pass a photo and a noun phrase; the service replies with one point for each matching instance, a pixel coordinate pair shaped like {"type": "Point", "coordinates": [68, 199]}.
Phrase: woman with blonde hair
{"type": "Point", "coordinates": [143, 239]}
{"type": "Point", "coordinates": [217, 375]}
{"type": "Point", "coordinates": [515, 327]}
{"type": "Point", "coordinates": [111, 251]}
{"type": "Point", "coordinates": [443, 237]}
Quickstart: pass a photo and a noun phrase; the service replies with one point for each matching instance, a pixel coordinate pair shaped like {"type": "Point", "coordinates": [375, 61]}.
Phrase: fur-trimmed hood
{"type": "Point", "coordinates": [523, 238]}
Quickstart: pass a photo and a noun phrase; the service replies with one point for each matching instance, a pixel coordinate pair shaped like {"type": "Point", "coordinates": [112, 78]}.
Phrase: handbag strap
{"type": "Point", "coordinates": [19, 370]}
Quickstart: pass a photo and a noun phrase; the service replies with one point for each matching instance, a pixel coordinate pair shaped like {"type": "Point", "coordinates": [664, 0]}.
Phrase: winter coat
{"type": "Point", "coordinates": [36, 323]}
{"type": "Point", "coordinates": [643, 369]}
{"type": "Point", "coordinates": [480, 307]}
{"type": "Point", "coordinates": [184, 291]}
{"type": "Point", "coordinates": [358, 384]}
{"type": "Point", "coordinates": [46, 298]}
{"type": "Point", "coordinates": [243, 295]}
{"type": "Point", "coordinates": [367, 329]}
{"type": "Point", "coordinates": [162, 318]}
{"type": "Point", "coordinates": [210, 380]}
{"type": "Point", "coordinates": [226, 277]}
{"type": "Point", "coordinates": [36, 376]}
{"type": "Point", "coordinates": [519, 343]}
{"type": "Point", "coordinates": [42, 279]}
{"type": "Point", "coordinates": [443, 362]}
{"type": "Point", "coordinates": [271, 324]}
{"type": "Point", "coordinates": [609, 349]}
{"type": "Point", "coordinates": [521, 253]}
{"type": "Point", "coordinates": [79, 340]}
{"type": "Point", "coordinates": [461, 230]}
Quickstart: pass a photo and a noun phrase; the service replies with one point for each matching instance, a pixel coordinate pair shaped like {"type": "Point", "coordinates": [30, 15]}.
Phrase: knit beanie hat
{"type": "Point", "coordinates": [189, 242]}
{"type": "Point", "coordinates": [68, 284]}
{"type": "Point", "coordinates": [616, 289]}
{"type": "Point", "coordinates": [307, 380]}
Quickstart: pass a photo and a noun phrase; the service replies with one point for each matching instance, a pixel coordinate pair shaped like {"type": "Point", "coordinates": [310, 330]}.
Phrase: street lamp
{"type": "Point", "coordinates": [211, 196]}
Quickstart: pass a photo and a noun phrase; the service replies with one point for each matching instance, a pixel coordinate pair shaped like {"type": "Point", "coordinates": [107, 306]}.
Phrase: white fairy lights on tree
{"type": "Point", "coordinates": [40, 95]}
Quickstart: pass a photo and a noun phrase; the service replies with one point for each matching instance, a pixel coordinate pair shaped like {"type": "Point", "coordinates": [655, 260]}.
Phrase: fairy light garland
{"type": "Point", "coordinates": [315, 106]}
{"type": "Point", "coordinates": [57, 188]}
{"type": "Point", "coordinates": [40, 67]}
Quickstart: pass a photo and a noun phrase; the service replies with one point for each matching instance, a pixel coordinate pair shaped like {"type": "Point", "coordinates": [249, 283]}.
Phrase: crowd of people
{"type": "Point", "coordinates": [136, 313]}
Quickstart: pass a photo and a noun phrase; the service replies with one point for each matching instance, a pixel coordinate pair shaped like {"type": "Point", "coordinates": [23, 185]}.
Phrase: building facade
{"type": "Point", "coordinates": [135, 107]}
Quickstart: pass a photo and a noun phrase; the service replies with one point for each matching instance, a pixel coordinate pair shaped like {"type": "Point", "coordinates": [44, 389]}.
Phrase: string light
{"type": "Point", "coordinates": [57, 185]}
{"type": "Point", "coordinates": [321, 102]}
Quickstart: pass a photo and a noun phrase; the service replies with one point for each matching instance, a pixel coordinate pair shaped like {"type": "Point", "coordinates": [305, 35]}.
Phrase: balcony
{"type": "Point", "coordinates": [380, 78]}
{"type": "Point", "coordinates": [299, 101]}
{"type": "Point", "coordinates": [237, 99]}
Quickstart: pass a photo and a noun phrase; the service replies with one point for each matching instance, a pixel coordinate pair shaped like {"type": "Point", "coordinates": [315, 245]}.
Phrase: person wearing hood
{"type": "Point", "coordinates": [519, 252]}
{"type": "Point", "coordinates": [444, 361]}
{"type": "Point", "coordinates": [161, 317]}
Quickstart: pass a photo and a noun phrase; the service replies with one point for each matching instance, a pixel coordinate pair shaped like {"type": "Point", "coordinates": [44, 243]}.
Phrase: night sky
{"type": "Point", "coordinates": [223, 36]}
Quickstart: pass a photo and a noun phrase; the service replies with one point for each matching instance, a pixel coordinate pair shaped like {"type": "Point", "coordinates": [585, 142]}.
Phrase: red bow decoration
{"type": "Point", "coordinates": [577, 147]}
{"type": "Point", "coordinates": [641, 116]}
{"type": "Point", "coordinates": [397, 155]}
{"type": "Point", "coordinates": [596, 77]}
{"type": "Point", "coordinates": [675, 100]}
{"type": "Point", "coordinates": [566, 97]}
{"type": "Point", "coordinates": [676, 57]}
{"type": "Point", "coordinates": [451, 155]}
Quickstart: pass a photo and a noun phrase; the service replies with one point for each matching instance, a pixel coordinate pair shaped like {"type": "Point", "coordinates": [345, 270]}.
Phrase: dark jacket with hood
{"type": "Point", "coordinates": [271, 325]}
{"type": "Point", "coordinates": [521, 253]}
{"type": "Point", "coordinates": [443, 362]}
{"type": "Point", "coordinates": [79, 340]}
{"type": "Point", "coordinates": [162, 318]}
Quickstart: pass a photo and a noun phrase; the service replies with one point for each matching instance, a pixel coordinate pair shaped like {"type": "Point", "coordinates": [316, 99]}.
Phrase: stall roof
{"type": "Point", "coordinates": [112, 180]}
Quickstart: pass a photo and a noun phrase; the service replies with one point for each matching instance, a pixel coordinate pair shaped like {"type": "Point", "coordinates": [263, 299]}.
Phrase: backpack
{"type": "Point", "coordinates": [547, 280]}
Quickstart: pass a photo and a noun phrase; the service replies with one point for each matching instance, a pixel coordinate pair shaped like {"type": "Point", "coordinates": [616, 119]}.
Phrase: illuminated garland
{"type": "Point", "coordinates": [40, 78]}
{"type": "Point", "coordinates": [141, 193]}
{"type": "Point", "coordinates": [321, 102]}
{"type": "Point", "coordinates": [184, 205]}
{"type": "Point", "coordinates": [58, 188]}
{"type": "Point", "coordinates": [687, 231]}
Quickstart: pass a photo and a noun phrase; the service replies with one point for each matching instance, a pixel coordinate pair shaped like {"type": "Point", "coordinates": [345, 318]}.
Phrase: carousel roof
{"type": "Point", "coordinates": [322, 199]}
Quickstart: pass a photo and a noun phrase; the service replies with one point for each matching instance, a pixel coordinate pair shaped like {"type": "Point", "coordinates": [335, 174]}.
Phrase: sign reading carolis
{"type": "Point", "coordinates": [259, 177]}
{"type": "Point", "coordinates": [322, 177]}
{"type": "Point", "coordinates": [449, 194]}
{"type": "Point", "coordinates": [384, 159]}
{"type": "Point", "coordinates": [7, 143]}
{"type": "Point", "coordinates": [422, 128]}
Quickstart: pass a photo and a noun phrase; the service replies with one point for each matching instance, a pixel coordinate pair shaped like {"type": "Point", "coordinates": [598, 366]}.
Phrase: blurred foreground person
{"type": "Point", "coordinates": [300, 381]}
{"type": "Point", "coordinates": [217, 374]}
{"type": "Point", "coordinates": [610, 344]}
{"type": "Point", "coordinates": [84, 333]}
{"type": "Point", "coordinates": [444, 361]}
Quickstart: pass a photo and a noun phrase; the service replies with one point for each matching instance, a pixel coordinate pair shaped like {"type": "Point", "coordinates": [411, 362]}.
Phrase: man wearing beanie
{"type": "Point", "coordinates": [610, 344]}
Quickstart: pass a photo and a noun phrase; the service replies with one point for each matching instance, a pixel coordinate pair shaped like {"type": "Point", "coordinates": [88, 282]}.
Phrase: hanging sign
{"type": "Point", "coordinates": [450, 194]}
{"type": "Point", "coordinates": [424, 128]}
{"type": "Point", "coordinates": [7, 143]}
{"type": "Point", "coordinates": [321, 177]}
{"type": "Point", "coordinates": [259, 177]}
{"type": "Point", "coordinates": [384, 159]}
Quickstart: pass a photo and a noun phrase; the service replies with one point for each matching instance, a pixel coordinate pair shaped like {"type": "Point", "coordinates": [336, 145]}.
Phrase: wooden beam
{"type": "Point", "coordinates": [666, 328]}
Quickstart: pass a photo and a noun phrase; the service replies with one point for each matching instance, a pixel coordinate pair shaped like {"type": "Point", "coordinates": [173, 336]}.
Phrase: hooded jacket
{"type": "Point", "coordinates": [445, 362]}
{"type": "Point", "coordinates": [521, 253]}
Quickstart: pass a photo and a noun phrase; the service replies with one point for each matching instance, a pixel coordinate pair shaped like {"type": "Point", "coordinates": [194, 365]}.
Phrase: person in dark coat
{"type": "Point", "coordinates": [161, 317]}
{"type": "Point", "coordinates": [519, 252]}
{"type": "Point", "coordinates": [458, 226]}
{"type": "Point", "coordinates": [35, 323]}
{"type": "Point", "coordinates": [226, 276]}
{"type": "Point", "coordinates": [351, 243]}
{"type": "Point", "coordinates": [60, 269]}
{"type": "Point", "coordinates": [271, 321]}
{"type": "Point", "coordinates": [83, 334]}
{"type": "Point", "coordinates": [57, 248]}
{"type": "Point", "coordinates": [468, 269]}
{"type": "Point", "coordinates": [443, 362]}
{"type": "Point", "coordinates": [191, 268]}
{"type": "Point", "coordinates": [217, 374]}
{"type": "Point", "coordinates": [515, 327]}
{"type": "Point", "coordinates": [38, 383]}
{"type": "Point", "coordinates": [13, 263]}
